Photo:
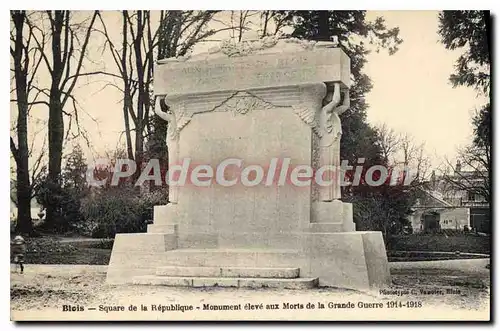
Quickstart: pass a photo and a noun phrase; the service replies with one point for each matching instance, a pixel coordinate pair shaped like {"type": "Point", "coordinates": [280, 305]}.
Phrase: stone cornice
{"type": "Point", "coordinates": [275, 68]}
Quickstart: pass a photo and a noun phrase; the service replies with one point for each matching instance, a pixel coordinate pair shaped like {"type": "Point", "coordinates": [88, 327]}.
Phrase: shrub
{"type": "Point", "coordinates": [119, 210]}
{"type": "Point", "coordinates": [65, 201]}
{"type": "Point", "coordinates": [147, 201]}
{"type": "Point", "coordinates": [47, 246]}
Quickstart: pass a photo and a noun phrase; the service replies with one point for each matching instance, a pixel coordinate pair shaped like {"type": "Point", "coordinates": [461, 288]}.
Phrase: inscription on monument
{"type": "Point", "coordinates": [253, 71]}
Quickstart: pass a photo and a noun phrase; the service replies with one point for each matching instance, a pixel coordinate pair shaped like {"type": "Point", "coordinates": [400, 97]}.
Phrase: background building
{"type": "Point", "coordinates": [452, 202]}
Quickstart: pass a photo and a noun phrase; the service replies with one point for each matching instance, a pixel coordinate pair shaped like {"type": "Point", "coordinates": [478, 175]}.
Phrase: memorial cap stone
{"type": "Point", "coordinates": [253, 64]}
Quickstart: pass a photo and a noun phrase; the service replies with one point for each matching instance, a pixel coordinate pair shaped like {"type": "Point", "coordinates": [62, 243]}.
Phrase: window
{"type": "Point", "coordinates": [471, 196]}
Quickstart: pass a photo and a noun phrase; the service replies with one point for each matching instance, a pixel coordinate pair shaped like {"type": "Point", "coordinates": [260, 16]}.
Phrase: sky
{"type": "Point", "coordinates": [411, 92]}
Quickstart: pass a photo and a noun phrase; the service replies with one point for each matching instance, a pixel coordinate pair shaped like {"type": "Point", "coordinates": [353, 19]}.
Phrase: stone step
{"type": "Point", "coordinates": [162, 228]}
{"type": "Point", "coordinates": [228, 272]}
{"type": "Point", "coordinates": [270, 258]}
{"type": "Point", "coordinates": [285, 283]}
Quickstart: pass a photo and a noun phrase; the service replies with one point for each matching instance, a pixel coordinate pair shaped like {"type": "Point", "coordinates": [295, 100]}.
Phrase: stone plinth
{"type": "Point", "coordinates": [271, 105]}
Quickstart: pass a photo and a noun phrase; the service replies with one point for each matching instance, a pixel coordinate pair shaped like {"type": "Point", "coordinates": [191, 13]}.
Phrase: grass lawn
{"type": "Point", "coordinates": [465, 243]}
{"type": "Point", "coordinates": [50, 250]}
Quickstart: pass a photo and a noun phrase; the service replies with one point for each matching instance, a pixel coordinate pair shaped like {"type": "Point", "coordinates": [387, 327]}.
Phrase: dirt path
{"type": "Point", "coordinates": [43, 290]}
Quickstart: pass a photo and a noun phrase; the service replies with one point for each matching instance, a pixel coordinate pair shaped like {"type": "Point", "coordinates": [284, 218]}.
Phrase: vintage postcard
{"type": "Point", "coordinates": [262, 165]}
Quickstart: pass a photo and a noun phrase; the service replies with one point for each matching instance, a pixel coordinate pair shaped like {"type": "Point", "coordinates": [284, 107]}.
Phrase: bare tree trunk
{"type": "Point", "coordinates": [56, 122]}
{"type": "Point", "coordinates": [126, 93]}
{"type": "Point", "coordinates": [240, 26]}
{"type": "Point", "coordinates": [266, 20]}
{"type": "Point", "coordinates": [143, 96]}
{"type": "Point", "coordinates": [62, 38]}
{"type": "Point", "coordinates": [23, 186]}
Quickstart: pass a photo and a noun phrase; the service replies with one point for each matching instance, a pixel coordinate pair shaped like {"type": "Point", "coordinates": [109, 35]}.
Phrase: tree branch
{"type": "Point", "coordinates": [80, 60]}
{"type": "Point", "coordinates": [14, 150]}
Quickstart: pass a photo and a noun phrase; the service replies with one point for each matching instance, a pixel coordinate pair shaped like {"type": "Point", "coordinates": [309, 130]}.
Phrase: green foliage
{"type": "Point", "coordinates": [467, 29]}
{"type": "Point", "coordinates": [383, 209]}
{"type": "Point", "coordinates": [46, 245]}
{"type": "Point", "coordinates": [66, 205]}
{"type": "Point", "coordinates": [74, 173]}
{"type": "Point", "coordinates": [482, 127]}
{"type": "Point", "coordinates": [65, 194]}
{"type": "Point", "coordinates": [100, 212]}
{"type": "Point", "coordinates": [118, 210]}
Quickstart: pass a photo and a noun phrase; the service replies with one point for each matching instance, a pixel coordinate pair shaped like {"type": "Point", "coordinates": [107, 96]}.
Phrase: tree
{"type": "Point", "coordinates": [240, 21]}
{"type": "Point", "coordinates": [482, 127]}
{"type": "Point", "coordinates": [74, 173]}
{"type": "Point", "coordinates": [143, 40]}
{"type": "Point", "coordinates": [472, 171]}
{"type": "Point", "coordinates": [179, 31]}
{"type": "Point", "coordinates": [389, 142]}
{"type": "Point", "coordinates": [399, 150]}
{"type": "Point", "coordinates": [271, 22]}
{"type": "Point", "coordinates": [469, 31]}
{"type": "Point", "coordinates": [413, 158]}
{"type": "Point", "coordinates": [26, 62]}
{"type": "Point", "coordinates": [385, 207]}
{"type": "Point", "coordinates": [68, 38]}
{"type": "Point", "coordinates": [38, 163]}
{"type": "Point", "coordinates": [355, 35]}
{"type": "Point", "coordinates": [111, 209]}
{"type": "Point", "coordinates": [66, 198]}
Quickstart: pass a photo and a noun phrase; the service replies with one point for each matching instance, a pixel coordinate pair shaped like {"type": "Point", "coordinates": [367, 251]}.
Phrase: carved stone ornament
{"type": "Point", "coordinates": [308, 116]}
{"type": "Point", "coordinates": [268, 44]}
{"type": "Point", "coordinates": [243, 48]}
{"type": "Point", "coordinates": [177, 118]}
{"type": "Point", "coordinates": [242, 103]}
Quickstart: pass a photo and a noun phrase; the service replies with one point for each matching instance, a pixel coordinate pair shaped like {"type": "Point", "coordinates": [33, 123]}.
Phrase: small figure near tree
{"type": "Point", "coordinates": [18, 250]}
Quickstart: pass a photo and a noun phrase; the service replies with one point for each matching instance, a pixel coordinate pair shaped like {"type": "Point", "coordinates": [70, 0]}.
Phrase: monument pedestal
{"type": "Point", "coordinates": [272, 113]}
{"type": "Point", "coordinates": [354, 260]}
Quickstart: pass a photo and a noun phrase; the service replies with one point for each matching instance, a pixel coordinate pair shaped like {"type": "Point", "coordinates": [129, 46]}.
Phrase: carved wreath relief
{"type": "Point", "coordinates": [242, 102]}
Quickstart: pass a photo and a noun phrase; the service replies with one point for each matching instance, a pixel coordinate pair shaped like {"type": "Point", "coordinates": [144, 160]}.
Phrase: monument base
{"type": "Point", "coordinates": [137, 254]}
{"type": "Point", "coordinates": [353, 260]}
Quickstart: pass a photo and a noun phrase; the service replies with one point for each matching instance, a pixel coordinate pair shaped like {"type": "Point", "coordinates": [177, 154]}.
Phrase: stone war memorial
{"type": "Point", "coordinates": [266, 104]}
